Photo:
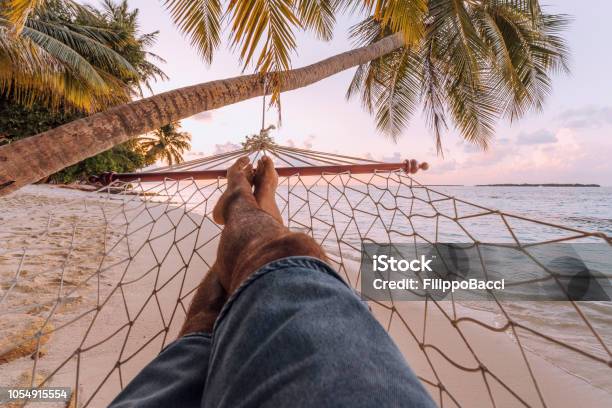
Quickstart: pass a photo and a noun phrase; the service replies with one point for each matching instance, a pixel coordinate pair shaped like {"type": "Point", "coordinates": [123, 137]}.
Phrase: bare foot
{"type": "Point", "coordinates": [266, 182]}
{"type": "Point", "coordinates": [239, 177]}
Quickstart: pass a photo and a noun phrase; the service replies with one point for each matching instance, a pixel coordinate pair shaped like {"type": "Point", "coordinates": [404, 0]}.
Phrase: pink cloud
{"type": "Point", "coordinates": [205, 116]}
{"type": "Point", "coordinates": [226, 147]}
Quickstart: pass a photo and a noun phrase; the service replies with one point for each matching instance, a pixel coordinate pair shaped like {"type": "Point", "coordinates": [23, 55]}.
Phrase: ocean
{"type": "Point", "coordinates": [585, 208]}
{"type": "Point", "coordinates": [342, 215]}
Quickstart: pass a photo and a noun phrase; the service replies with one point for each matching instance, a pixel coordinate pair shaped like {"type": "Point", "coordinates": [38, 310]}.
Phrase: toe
{"type": "Point", "coordinates": [249, 172]}
{"type": "Point", "coordinates": [243, 161]}
{"type": "Point", "coordinates": [268, 162]}
{"type": "Point", "coordinates": [259, 169]}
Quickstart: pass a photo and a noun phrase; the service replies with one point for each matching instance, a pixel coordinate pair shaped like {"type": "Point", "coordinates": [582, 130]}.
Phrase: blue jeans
{"type": "Point", "coordinates": [294, 334]}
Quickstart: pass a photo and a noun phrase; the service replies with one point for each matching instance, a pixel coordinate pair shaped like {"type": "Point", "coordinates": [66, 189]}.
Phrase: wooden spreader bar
{"type": "Point", "coordinates": [408, 166]}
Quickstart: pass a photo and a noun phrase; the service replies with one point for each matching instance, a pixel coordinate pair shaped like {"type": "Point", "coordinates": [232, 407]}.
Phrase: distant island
{"type": "Point", "coordinates": [538, 185]}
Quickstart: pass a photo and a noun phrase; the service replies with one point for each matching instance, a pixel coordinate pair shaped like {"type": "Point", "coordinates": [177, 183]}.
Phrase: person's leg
{"type": "Point", "coordinates": [292, 333]}
{"type": "Point", "coordinates": [254, 235]}
{"type": "Point", "coordinates": [265, 181]}
{"type": "Point", "coordinates": [177, 376]}
{"type": "Point", "coordinates": [206, 304]}
{"type": "Point", "coordinates": [246, 208]}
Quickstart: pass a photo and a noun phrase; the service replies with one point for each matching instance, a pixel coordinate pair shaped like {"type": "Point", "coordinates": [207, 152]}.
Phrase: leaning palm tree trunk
{"type": "Point", "coordinates": [36, 157]}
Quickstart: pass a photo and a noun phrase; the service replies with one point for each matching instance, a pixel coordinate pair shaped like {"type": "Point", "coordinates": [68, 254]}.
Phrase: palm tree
{"type": "Point", "coordinates": [75, 57]}
{"type": "Point", "coordinates": [490, 59]}
{"type": "Point", "coordinates": [166, 144]}
{"type": "Point", "coordinates": [467, 62]}
{"type": "Point", "coordinates": [60, 62]}
{"type": "Point", "coordinates": [129, 42]}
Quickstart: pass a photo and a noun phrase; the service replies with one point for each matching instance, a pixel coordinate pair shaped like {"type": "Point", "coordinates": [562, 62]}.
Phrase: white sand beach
{"type": "Point", "coordinates": [108, 278]}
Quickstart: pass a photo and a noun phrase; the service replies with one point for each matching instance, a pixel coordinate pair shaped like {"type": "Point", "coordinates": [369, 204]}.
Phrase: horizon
{"type": "Point", "coordinates": [121, 273]}
{"type": "Point", "coordinates": [566, 142]}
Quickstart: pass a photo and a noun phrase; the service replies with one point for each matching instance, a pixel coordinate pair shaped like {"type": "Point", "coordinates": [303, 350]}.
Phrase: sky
{"type": "Point", "coordinates": [568, 142]}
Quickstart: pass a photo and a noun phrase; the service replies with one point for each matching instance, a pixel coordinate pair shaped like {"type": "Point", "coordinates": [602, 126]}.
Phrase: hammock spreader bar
{"type": "Point", "coordinates": [408, 166]}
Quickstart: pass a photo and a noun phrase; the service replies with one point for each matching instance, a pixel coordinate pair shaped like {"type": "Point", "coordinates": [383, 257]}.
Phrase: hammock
{"type": "Point", "coordinates": [152, 237]}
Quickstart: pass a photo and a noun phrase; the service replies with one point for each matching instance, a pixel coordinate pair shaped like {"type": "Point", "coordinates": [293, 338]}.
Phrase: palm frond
{"type": "Point", "coordinates": [474, 110]}
{"type": "Point", "coordinates": [274, 20]}
{"type": "Point", "coordinates": [532, 7]}
{"type": "Point", "coordinates": [17, 12]}
{"type": "Point", "coordinates": [74, 61]}
{"type": "Point", "coordinates": [367, 32]}
{"type": "Point", "coordinates": [476, 62]}
{"type": "Point", "coordinates": [433, 96]}
{"type": "Point", "coordinates": [200, 21]}
{"type": "Point", "coordinates": [456, 43]}
{"type": "Point", "coordinates": [26, 73]}
{"type": "Point", "coordinates": [390, 85]}
{"type": "Point", "coordinates": [397, 90]}
{"type": "Point", "coordinates": [74, 57]}
{"type": "Point", "coordinates": [406, 17]}
{"type": "Point", "coordinates": [265, 27]}
{"type": "Point", "coordinates": [99, 34]}
{"type": "Point", "coordinates": [524, 55]}
{"type": "Point", "coordinates": [29, 74]}
{"type": "Point", "coordinates": [364, 33]}
{"type": "Point", "coordinates": [166, 143]}
{"type": "Point", "coordinates": [318, 15]}
{"type": "Point", "coordinates": [95, 51]}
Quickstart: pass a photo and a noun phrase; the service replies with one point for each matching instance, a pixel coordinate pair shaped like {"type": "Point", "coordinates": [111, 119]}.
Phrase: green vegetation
{"type": "Point", "coordinates": [73, 57]}
{"type": "Point", "coordinates": [166, 144]}
{"type": "Point", "coordinates": [18, 121]}
{"type": "Point", "coordinates": [123, 158]}
{"type": "Point", "coordinates": [69, 61]}
{"type": "Point", "coordinates": [466, 64]}
{"type": "Point", "coordinates": [63, 58]}
{"type": "Point", "coordinates": [476, 62]}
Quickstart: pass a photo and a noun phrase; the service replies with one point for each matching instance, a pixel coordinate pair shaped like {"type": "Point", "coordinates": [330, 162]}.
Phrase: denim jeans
{"type": "Point", "coordinates": [293, 335]}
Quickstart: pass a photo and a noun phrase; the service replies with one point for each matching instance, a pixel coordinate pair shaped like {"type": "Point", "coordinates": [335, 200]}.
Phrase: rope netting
{"type": "Point", "coordinates": [94, 289]}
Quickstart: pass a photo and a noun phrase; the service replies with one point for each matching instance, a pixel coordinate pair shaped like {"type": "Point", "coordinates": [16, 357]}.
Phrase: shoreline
{"type": "Point", "coordinates": [160, 253]}
{"type": "Point", "coordinates": [498, 350]}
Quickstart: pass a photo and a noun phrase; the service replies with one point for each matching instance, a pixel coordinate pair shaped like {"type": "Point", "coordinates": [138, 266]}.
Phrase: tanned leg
{"type": "Point", "coordinates": [252, 237]}
{"type": "Point", "coordinates": [266, 182]}
{"type": "Point", "coordinates": [254, 234]}
{"type": "Point", "coordinates": [210, 295]}
{"type": "Point", "coordinates": [239, 178]}
{"type": "Point", "coordinates": [206, 304]}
